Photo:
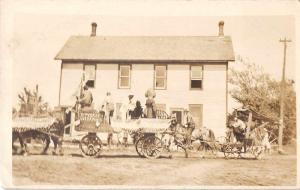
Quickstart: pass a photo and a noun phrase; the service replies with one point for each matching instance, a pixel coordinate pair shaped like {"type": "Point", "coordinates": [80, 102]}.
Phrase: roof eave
{"type": "Point", "coordinates": [142, 60]}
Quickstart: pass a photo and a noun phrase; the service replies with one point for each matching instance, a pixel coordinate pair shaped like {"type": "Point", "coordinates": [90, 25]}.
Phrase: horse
{"type": "Point", "coordinates": [257, 134]}
{"type": "Point", "coordinates": [207, 139]}
{"type": "Point", "coordinates": [54, 132]}
{"type": "Point", "coordinates": [179, 134]}
{"type": "Point", "coordinates": [121, 138]}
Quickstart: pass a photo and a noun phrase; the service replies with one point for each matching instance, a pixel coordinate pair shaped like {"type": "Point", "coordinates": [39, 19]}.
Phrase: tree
{"type": "Point", "coordinates": [255, 89]}
{"type": "Point", "coordinates": [31, 102]}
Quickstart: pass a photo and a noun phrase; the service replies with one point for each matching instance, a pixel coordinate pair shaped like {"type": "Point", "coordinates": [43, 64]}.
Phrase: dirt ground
{"type": "Point", "coordinates": [124, 167]}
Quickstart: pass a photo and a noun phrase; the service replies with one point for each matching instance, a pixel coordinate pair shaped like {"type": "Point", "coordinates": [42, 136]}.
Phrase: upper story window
{"type": "Point", "coordinates": [160, 78]}
{"type": "Point", "coordinates": [196, 77]}
{"type": "Point", "coordinates": [90, 75]}
{"type": "Point", "coordinates": [124, 76]}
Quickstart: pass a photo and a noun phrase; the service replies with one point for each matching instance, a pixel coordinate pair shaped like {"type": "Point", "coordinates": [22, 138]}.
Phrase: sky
{"type": "Point", "coordinates": [37, 38]}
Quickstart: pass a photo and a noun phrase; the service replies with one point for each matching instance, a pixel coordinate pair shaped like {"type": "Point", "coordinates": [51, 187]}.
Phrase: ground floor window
{"type": "Point", "coordinates": [197, 112]}
{"type": "Point", "coordinates": [118, 111]}
{"type": "Point", "coordinates": [161, 107]}
{"type": "Point", "coordinates": [161, 111]}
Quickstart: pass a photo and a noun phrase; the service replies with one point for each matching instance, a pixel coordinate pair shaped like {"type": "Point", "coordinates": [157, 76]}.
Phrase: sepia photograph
{"type": "Point", "coordinates": [163, 101]}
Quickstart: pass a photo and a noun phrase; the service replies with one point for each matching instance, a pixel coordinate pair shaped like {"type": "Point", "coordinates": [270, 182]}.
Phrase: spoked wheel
{"type": "Point", "coordinates": [139, 147]}
{"type": "Point", "coordinates": [152, 147]}
{"type": "Point", "coordinates": [90, 145]}
{"type": "Point", "coordinates": [228, 151]}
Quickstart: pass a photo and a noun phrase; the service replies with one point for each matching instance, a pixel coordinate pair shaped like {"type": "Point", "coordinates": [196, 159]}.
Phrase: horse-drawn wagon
{"type": "Point", "coordinates": [144, 131]}
{"type": "Point", "coordinates": [151, 136]}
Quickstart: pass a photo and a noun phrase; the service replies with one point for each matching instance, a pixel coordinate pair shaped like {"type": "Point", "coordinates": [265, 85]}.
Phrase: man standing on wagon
{"type": "Point", "coordinates": [109, 107]}
{"type": "Point", "coordinates": [190, 125]}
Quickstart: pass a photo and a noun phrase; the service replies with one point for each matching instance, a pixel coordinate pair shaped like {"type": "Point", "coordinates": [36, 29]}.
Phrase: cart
{"type": "Point", "coordinates": [246, 144]}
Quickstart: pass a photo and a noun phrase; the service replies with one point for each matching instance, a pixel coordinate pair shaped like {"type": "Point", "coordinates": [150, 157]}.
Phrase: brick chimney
{"type": "Point", "coordinates": [94, 29]}
{"type": "Point", "coordinates": [221, 28]}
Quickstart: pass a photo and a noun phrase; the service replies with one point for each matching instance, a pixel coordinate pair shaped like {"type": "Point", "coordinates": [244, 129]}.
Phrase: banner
{"type": "Point", "coordinates": [92, 121]}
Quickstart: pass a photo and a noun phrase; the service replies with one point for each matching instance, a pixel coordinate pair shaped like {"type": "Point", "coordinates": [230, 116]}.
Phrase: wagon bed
{"type": "Point", "coordinates": [146, 125]}
{"type": "Point", "coordinates": [94, 122]}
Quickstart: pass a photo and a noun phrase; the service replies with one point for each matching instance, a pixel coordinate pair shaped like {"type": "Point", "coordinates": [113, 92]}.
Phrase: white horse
{"type": "Point", "coordinates": [177, 137]}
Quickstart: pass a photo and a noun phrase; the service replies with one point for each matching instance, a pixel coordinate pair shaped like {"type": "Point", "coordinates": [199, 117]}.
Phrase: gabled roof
{"type": "Point", "coordinates": [148, 48]}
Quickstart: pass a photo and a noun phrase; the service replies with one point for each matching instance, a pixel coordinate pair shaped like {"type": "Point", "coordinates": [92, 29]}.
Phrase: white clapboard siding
{"type": "Point", "coordinates": [177, 94]}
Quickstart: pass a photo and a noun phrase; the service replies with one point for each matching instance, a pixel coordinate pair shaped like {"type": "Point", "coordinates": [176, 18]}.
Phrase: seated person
{"type": "Point", "coordinates": [239, 125]}
{"type": "Point", "coordinates": [86, 98]}
{"type": "Point", "coordinates": [173, 125]}
{"type": "Point", "coordinates": [239, 128]}
{"type": "Point", "coordinates": [137, 111]}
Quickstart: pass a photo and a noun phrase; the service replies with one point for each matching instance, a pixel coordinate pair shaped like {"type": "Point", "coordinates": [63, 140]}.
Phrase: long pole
{"type": "Point", "coordinates": [60, 80]}
{"type": "Point", "coordinates": [282, 95]}
{"type": "Point", "coordinates": [36, 102]}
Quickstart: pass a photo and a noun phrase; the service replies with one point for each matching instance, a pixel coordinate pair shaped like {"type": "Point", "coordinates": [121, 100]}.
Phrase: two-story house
{"type": "Point", "coordinates": [187, 72]}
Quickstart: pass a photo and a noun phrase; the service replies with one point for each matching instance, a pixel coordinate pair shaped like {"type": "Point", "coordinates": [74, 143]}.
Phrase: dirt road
{"type": "Point", "coordinates": [124, 167]}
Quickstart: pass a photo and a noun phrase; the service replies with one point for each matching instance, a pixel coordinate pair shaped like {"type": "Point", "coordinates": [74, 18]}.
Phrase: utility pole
{"type": "Point", "coordinates": [282, 95]}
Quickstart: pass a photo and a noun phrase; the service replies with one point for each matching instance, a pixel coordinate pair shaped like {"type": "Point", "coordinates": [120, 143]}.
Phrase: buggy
{"type": "Point", "coordinates": [251, 140]}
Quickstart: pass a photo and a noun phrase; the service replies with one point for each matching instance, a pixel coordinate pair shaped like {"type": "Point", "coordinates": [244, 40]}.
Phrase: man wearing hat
{"type": "Point", "coordinates": [173, 124]}
{"type": "Point", "coordinates": [86, 99]}
{"type": "Point", "coordinates": [130, 106]}
{"type": "Point", "coordinates": [108, 106]}
{"type": "Point", "coordinates": [190, 125]}
{"type": "Point", "coordinates": [171, 131]}
{"type": "Point", "coordinates": [239, 125]}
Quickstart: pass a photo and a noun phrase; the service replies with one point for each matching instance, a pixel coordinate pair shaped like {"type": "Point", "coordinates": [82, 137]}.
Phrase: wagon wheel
{"type": "Point", "coordinates": [139, 147]}
{"type": "Point", "coordinates": [90, 145]}
{"type": "Point", "coordinates": [228, 151]}
{"type": "Point", "coordinates": [152, 147]}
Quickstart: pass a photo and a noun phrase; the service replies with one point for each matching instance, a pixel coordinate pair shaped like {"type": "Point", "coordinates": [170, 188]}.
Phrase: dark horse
{"type": "Point", "coordinates": [54, 132]}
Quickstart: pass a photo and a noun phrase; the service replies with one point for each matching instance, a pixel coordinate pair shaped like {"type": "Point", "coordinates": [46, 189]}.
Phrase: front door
{"type": "Point", "coordinates": [197, 113]}
{"type": "Point", "coordinates": [179, 114]}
